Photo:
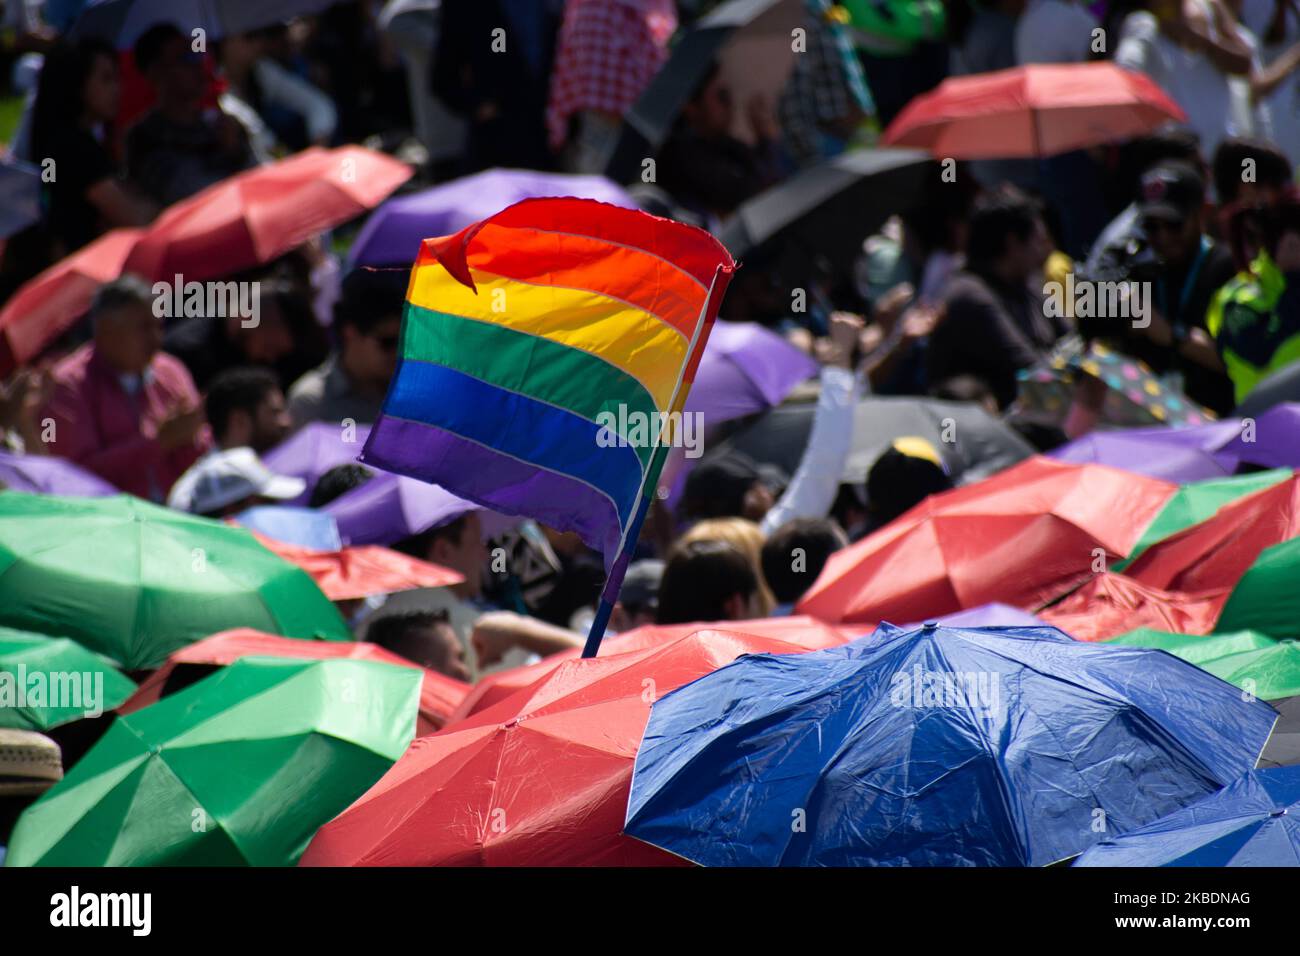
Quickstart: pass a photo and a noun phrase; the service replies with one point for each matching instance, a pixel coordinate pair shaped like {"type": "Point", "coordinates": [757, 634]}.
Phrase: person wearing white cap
{"type": "Point", "coordinates": [228, 481]}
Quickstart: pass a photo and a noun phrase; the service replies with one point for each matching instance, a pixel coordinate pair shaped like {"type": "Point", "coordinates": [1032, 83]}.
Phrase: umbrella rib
{"type": "Point", "coordinates": [198, 804]}
{"type": "Point", "coordinates": [496, 777]}
{"type": "Point", "coordinates": [1008, 803]}
{"type": "Point", "coordinates": [148, 754]}
{"type": "Point", "coordinates": [135, 638]}
{"type": "Point", "coordinates": [396, 820]}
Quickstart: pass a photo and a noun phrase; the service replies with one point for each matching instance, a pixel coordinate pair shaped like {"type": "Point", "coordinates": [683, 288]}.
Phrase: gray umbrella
{"type": "Point", "coordinates": [121, 22]}
{"type": "Point", "coordinates": [979, 444]}
{"type": "Point", "coordinates": [1283, 747]}
{"type": "Point", "coordinates": [20, 196]}
{"type": "Point", "coordinates": [1281, 386]}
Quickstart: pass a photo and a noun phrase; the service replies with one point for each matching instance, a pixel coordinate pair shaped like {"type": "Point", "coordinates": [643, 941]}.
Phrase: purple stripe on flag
{"type": "Point", "coordinates": [494, 480]}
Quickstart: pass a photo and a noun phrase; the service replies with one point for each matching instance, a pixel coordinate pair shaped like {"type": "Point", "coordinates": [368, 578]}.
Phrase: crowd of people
{"type": "Point", "coordinates": [948, 299]}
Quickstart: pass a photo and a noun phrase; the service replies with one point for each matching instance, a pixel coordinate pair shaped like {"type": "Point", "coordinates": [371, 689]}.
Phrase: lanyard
{"type": "Point", "coordinates": [1188, 283]}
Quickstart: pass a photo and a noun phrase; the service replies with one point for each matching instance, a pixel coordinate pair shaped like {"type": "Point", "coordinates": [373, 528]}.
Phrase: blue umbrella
{"type": "Point", "coordinates": [1253, 821]}
{"type": "Point", "coordinates": [935, 747]}
{"type": "Point", "coordinates": [305, 527]}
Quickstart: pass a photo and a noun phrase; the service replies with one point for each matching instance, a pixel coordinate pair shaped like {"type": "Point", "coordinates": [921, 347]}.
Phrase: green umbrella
{"type": "Point", "coordinates": [240, 768]}
{"type": "Point", "coordinates": [1255, 662]}
{"type": "Point", "coordinates": [135, 581]}
{"type": "Point", "coordinates": [1197, 500]}
{"type": "Point", "coordinates": [46, 682]}
{"type": "Point", "coordinates": [1267, 597]}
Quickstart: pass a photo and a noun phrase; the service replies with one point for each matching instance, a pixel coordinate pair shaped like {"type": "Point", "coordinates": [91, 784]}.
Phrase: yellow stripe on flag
{"type": "Point", "coordinates": [631, 339]}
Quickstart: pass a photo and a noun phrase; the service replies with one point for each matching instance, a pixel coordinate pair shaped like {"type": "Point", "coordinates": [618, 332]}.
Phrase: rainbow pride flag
{"type": "Point", "coordinates": [524, 336]}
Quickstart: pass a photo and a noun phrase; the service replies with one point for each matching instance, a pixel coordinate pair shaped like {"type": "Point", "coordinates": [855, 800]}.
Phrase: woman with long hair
{"type": "Point", "coordinates": [76, 101]}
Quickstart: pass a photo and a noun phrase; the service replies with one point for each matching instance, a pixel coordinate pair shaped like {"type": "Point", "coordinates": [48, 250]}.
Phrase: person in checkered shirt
{"type": "Point", "coordinates": [826, 96]}
{"type": "Point", "coordinates": [608, 52]}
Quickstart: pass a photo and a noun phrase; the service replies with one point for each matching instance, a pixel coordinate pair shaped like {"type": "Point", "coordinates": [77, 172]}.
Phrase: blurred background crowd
{"type": "Point", "coordinates": [891, 334]}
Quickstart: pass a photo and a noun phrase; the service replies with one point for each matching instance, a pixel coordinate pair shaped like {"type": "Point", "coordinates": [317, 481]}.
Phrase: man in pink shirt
{"type": "Point", "coordinates": [122, 408]}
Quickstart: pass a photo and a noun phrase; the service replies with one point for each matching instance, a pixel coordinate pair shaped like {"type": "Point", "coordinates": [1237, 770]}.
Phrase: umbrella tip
{"type": "Point", "coordinates": [930, 625]}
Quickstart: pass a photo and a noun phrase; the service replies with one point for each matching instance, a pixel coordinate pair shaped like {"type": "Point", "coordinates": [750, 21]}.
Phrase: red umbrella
{"type": "Point", "coordinates": [1111, 604]}
{"type": "Point", "coordinates": [801, 631]}
{"type": "Point", "coordinates": [1021, 537]}
{"type": "Point", "coordinates": [363, 570]}
{"type": "Point", "coordinates": [439, 695]}
{"type": "Point", "coordinates": [1029, 111]}
{"type": "Point", "coordinates": [1216, 553]}
{"type": "Point", "coordinates": [541, 779]}
{"type": "Point", "coordinates": [258, 215]}
{"type": "Point", "coordinates": [47, 305]}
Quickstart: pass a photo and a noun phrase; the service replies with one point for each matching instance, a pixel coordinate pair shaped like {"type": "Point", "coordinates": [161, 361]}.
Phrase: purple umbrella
{"type": "Point", "coordinates": [987, 615]}
{"type": "Point", "coordinates": [50, 476]}
{"type": "Point", "coordinates": [305, 527]}
{"type": "Point", "coordinates": [1174, 454]}
{"type": "Point", "coordinates": [1272, 442]}
{"type": "Point", "coordinates": [392, 234]}
{"type": "Point", "coordinates": [313, 450]}
{"type": "Point", "coordinates": [1196, 452]}
{"type": "Point", "coordinates": [746, 368]}
{"type": "Point", "coordinates": [389, 507]}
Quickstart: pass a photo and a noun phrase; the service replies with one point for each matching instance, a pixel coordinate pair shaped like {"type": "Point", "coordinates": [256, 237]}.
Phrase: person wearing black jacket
{"type": "Point", "coordinates": [993, 322]}
{"type": "Point", "coordinates": [1187, 267]}
{"type": "Point", "coordinates": [493, 67]}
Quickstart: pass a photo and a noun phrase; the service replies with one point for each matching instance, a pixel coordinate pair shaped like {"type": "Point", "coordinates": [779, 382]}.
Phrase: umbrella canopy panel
{"type": "Point", "coordinates": [1250, 822]}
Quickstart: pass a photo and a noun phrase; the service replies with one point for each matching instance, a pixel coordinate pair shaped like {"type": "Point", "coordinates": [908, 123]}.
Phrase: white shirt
{"type": "Point", "coordinates": [1283, 104]}
{"type": "Point", "coordinates": [1190, 79]}
{"type": "Point", "coordinates": [1249, 118]}
{"type": "Point", "coordinates": [1054, 31]}
{"type": "Point", "coordinates": [815, 483]}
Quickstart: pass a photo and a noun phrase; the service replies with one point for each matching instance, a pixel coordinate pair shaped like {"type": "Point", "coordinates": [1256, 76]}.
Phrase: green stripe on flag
{"type": "Point", "coordinates": [539, 368]}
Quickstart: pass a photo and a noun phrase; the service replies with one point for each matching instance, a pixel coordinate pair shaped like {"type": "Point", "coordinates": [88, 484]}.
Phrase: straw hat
{"type": "Point", "coordinates": [30, 763]}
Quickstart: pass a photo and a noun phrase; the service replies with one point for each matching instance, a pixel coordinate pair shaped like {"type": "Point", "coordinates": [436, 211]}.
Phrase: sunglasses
{"type": "Point", "coordinates": [388, 343]}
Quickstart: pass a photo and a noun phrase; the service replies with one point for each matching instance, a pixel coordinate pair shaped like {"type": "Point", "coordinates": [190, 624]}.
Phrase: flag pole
{"type": "Point", "coordinates": [614, 582]}
{"type": "Point", "coordinates": [658, 457]}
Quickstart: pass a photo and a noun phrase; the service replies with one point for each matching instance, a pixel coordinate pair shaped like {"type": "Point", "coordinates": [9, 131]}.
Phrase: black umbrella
{"type": "Point", "coordinates": [1281, 386]}
{"type": "Point", "coordinates": [827, 210]}
{"type": "Point", "coordinates": [979, 444]}
{"type": "Point", "coordinates": [750, 40]}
